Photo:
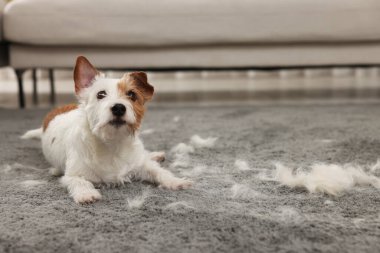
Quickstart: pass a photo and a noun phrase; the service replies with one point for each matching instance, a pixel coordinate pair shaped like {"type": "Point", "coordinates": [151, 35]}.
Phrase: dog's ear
{"type": "Point", "coordinates": [141, 81]}
{"type": "Point", "coordinates": [84, 73]}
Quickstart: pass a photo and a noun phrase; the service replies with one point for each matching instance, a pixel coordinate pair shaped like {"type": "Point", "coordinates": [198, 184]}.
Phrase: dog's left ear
{"type": "Point", "coordinates": [84, 74]}
{"type": "Point", "coordinates": [141, 81]}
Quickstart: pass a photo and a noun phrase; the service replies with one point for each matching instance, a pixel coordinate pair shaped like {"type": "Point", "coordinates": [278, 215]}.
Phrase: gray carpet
{"type": "Point", "coordinates": [207, 218]}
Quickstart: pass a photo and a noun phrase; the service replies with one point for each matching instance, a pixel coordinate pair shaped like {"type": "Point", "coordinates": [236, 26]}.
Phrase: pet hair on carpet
{"type": "Point", "coordinates": [137, 202]}
{"type": "Point", "coordinates": [325, 178]}
{"type": "Point", "coordinates": [198, 142]}
{"type": "Point", "coordinates": [181, 155]}
{"type": "Point", "coordinates": [241, 191]}
{"type": "Point", "coordinates": [242, 165]}
{"type": "Point", "coordinates": [147, 131]}
{"type": "Point", "coordinates": [16, 167]}
{"type": "Point", "coordinates": [45, 218]}
{"type": "Point", "coordinates": [179, 205]}
{"type": "Point", "coordinates": [182, 150]}
{"type": "Point", "coordinates": [196, 171]}
{"type": "Point", "coordinates": [32, 183]}
{"type": "Point", "coordinates": [265, 175]}
{"type": "Point", "coordinates": [180, 161]}
{"type": "Point", "coordinates": [288, 214]}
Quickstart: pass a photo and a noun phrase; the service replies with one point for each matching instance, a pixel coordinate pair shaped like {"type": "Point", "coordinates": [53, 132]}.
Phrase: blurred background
{"type": "Point", "coordinates": [195, 52]}
{"type": "Point", "coordinates": [207, 87]}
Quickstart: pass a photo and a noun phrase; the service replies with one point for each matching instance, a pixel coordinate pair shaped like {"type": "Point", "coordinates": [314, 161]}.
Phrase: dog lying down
{"type": "Point", "coordinates": [97, 140]}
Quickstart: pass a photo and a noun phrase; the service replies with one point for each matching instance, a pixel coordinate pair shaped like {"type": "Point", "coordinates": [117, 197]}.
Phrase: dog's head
{"type": "Point", "coordinates": [114, 107]}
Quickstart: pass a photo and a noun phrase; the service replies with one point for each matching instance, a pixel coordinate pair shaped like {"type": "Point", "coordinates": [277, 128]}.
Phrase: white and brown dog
{"type": "Point", "coordinates": [97, 140]}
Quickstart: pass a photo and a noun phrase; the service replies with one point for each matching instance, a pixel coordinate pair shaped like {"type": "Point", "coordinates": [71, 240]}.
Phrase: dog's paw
{"type": "Point", "coordinates": [158, 156]}
{"type": "Point", "coordinates": [176, 184]}
{"type": "Point", "coordinates": [87, 197]}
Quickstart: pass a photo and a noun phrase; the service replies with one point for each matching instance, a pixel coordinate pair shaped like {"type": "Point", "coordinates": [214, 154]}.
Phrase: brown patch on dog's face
{"type": "Point", "coordinates": [135, 88]}
{"type": "Point", "coordinates": [60, 110]}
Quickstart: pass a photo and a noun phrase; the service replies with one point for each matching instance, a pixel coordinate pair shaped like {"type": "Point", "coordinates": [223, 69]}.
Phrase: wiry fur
{"type": "Point", "coordinates": [326, 178]}
{"type": "Point", "coordinates": [376, 167]}
{"type": "Point", "coordinates": [51, 115]}
{"type": "Point", "coordinates": [87, 147]}
{"type": "Point", "coordinates": [158, 156]}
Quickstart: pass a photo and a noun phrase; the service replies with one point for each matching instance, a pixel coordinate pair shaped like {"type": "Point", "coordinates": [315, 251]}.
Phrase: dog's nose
{"type": "Point", "coordinates": [118, 110]}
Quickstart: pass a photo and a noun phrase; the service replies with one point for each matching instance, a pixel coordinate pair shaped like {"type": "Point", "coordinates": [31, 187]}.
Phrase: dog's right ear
{"type": "Point", "coordinates": [84, 74]}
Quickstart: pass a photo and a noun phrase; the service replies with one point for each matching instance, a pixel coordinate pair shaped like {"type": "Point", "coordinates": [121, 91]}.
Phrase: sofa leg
{"type": "Point", "coordinates": [52, 87]}
{"type": "Point", "coordinates": [21, 95]}
{"type": "Point", "coordinates": [35, 93]}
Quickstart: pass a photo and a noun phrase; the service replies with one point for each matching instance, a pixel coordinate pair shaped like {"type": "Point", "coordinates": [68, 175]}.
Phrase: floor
{"type": "Point", "coordinates": [207, 87]}
{"type": "Point", "coordinates": [229, 209]}
{"type": "Point", "coordinates": [296, 118]}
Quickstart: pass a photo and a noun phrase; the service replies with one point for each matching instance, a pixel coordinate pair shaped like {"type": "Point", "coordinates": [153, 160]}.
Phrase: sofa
{"type": "Point", "coordinates": [4, 57]}
{"type": "Point", "coordinates": [190, 35]}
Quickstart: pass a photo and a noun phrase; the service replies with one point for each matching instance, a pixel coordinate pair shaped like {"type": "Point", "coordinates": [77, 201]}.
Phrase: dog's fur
{"type": "Point", "coordinates": [88, 144]}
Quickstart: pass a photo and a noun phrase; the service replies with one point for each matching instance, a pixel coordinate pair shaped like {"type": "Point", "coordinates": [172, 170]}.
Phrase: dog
{"type": "Point", "coordinates": [96, 141]}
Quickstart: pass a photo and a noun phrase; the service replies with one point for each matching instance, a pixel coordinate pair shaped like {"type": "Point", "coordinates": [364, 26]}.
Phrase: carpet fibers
{"type": "Point", "coordinates": [233, 206]}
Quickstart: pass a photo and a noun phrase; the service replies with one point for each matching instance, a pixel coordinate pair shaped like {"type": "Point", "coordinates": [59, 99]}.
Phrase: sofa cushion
{"type": "Point", "coordinates": [174, 22]}
{"type": "Point", "coordinates": [2, 4]}
{"type": "Point", "coordinates": [231, 56]}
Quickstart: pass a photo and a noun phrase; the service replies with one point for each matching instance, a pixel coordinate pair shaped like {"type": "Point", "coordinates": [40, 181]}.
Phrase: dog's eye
{"type": "Point", "coordinates": [132, 95]}
{"type": "Point", "coordinates": [101, 94]}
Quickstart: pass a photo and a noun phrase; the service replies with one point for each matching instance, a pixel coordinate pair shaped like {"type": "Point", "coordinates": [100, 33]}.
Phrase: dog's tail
{"type": "Point", "coordinates": [33, 134]}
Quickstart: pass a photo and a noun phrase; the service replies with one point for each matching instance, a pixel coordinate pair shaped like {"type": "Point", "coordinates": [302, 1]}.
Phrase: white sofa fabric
{"type": "Point", "coordinates": [130, 34]}
{"type": "Point", "coordinates": [4, 57]}
{"type": "Point", "coordinates": [195, 22]}
{"type": "Point", "coordinates": [2, 5]}
{"type": "Point", "coordinates": [199, 57]}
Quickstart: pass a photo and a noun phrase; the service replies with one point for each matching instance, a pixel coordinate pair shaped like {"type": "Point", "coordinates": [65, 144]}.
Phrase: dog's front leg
{"type": "Point", "coordinates": [80, 189]}
{"type": "Point", "coordinates": [154, 173]}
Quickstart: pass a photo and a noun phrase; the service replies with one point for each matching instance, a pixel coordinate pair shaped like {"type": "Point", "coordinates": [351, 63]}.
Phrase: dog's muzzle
{"type": "Point", "coordinates": [118, 110]}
